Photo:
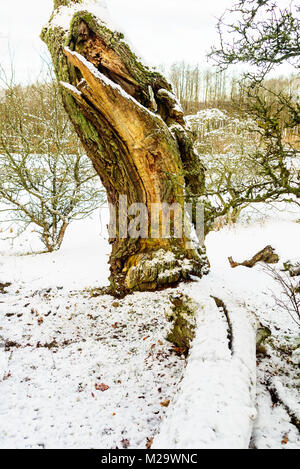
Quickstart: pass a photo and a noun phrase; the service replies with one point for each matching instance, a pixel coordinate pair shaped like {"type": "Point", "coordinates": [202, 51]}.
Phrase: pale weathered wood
{"type": "Point", "coordinates": [133, 130]}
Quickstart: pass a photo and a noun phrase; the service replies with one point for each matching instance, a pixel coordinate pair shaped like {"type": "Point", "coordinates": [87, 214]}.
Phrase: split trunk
{"type": "Point", "coordinates": [133, 129]}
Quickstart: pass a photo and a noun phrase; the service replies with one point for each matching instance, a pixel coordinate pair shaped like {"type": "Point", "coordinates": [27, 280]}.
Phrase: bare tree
{"type": "Point", "coordinates": [260, 33]}
{"type": "Point", "coordinates": [290, 291]}
{"type": "Point", "coordinates": [46, 179]}
{"type": "Point", "coordinates": [199, 88]}
{"type": "Point", "coordinates": [264, 35]}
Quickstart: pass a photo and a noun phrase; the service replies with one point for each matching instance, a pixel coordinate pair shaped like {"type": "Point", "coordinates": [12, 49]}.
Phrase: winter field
{"type": "Point", "coordinates": [84, 371]}
{"type": "Point", "coordinates": [209, 356]}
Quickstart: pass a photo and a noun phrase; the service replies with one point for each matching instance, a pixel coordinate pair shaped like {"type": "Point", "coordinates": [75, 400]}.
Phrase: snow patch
{"type": "Point", "coordinates": [70, 87]}
{"type": "Point", "coordinates": [108, 82]}
{"type": "Point", "coordinates": [64, 14]}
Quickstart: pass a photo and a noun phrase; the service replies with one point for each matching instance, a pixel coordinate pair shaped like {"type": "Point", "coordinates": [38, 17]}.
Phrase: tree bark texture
{"type": "Point", "coordinates": [133, 130]}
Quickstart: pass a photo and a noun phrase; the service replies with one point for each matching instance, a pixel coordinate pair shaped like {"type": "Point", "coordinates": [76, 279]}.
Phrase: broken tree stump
{"type": "Point", "coordinates": [133, 130]}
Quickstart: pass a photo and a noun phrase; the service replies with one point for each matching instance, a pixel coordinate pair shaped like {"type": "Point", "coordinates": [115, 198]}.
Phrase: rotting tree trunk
{"type": "Point", "coordinates": [132, 128]}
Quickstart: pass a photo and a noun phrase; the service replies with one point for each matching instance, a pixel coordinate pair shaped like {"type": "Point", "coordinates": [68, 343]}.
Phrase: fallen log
{"type": "Point", "coordinates": [215, 404]}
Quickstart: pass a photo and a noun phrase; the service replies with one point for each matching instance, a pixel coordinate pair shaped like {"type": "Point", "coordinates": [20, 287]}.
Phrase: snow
{"type": "Point", "coordinates": [173, 99]}
{"type": "Point", "coordinates": [64, 14]}
{"type": "Point", "coordinates": [59, 342]}
{"type": "Point", "coordinates": [62, 18]}
{"type": "Point", "coordinates": [108, 82]}
{"type": "Point", "coordinates": [70, 87]}
{"type": "Point", "coordinates": [82, 343]}
{"type": "Point", "coordinates": [85, 245]}
{"type": "Point", "coordinates": [214, 407]}
{"type": "Point", "coordinates": [208, 114]}
{"type": "Point", "coordinates": [65, 341]}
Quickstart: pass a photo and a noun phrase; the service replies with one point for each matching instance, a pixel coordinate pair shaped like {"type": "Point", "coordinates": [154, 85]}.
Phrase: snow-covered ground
{"type": "Point", "coordinates": [95, 372]}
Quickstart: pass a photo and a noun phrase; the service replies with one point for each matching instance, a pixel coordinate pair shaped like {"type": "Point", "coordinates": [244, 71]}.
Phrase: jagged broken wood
{"type": "Point", "coordinates": [133, 129]}
{"type": "Point", "coordinates": [266, 255]}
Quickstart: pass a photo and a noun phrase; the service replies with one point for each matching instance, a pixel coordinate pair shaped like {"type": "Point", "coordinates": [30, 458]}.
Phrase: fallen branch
{"type": "Point", "coordinates": [276, 399]}
{"type": "Point", "coordinates": [266, 255]}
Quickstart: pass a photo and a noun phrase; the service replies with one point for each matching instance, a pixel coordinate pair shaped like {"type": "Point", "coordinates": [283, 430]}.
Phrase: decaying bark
{"type": "Point", "coordinates": [133, 130]}
{"type": "Point", "coordinates": [266, 255]}
{"type": "Point", "coordinates": [182, 315]}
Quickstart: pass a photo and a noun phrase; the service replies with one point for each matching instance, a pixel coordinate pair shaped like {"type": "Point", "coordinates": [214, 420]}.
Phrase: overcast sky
{"type": "Point", "coordinates": [163, 31]}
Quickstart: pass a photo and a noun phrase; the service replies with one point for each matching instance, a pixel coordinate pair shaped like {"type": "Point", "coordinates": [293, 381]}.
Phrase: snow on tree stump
{"type": "Point", "coordinates": [133, 129]}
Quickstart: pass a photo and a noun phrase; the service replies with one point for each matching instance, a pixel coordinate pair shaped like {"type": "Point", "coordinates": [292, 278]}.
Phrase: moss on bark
{"type": "Point", "coordinates": [182, 314]}
{"type": "Point", "coordinates": [130, 141]}
{"type": "Point", "coordinates": [58, 3]}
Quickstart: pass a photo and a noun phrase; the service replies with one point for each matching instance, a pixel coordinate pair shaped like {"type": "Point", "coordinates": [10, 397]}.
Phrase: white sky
{"type": "Point", "coordinates": [163, 31]}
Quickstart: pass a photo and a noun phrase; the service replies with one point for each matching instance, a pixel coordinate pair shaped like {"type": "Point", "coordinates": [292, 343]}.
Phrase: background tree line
{"type": "Point", "coordinates": [201, 88]}
{"type": "Point", "coordinates": [247, 134]}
